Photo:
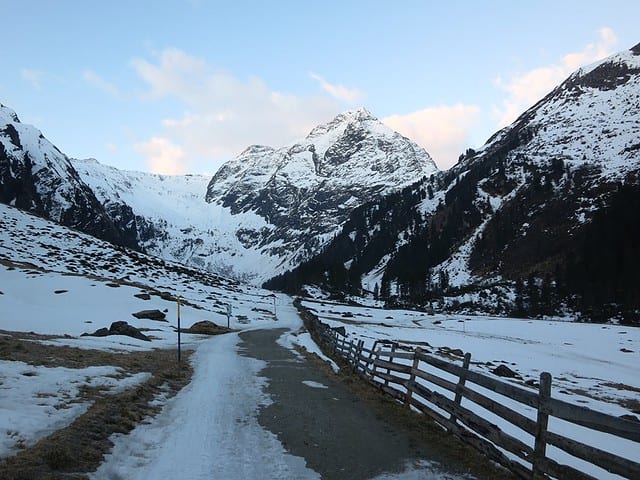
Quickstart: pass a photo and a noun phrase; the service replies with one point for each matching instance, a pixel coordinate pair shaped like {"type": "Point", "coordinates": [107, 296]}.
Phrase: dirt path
{"type": "Point", "coordinates": [344, 429]}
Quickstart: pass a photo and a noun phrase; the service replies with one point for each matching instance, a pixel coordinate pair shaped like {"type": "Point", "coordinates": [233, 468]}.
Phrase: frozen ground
{"type": "Point", "coordinates": [209, 430]}
{"type": "Point", "coordinates": [35, 401]}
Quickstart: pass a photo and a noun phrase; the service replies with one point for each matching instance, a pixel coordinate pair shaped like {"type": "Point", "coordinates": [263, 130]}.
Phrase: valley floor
{"type": "Point", "coordinates": [258, 405]}
{"type": "Point", "coordinates": [255, 409]}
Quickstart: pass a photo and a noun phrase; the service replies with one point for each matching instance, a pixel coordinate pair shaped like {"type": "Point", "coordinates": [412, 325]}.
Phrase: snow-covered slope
{"type": "Point", "coordinates": [577, 143]}
{"type": "Point", "coordinates": [37, 177]}
{"type": "Point", "coordinates": [97, 281]}
{"type": "Point", "coordinates": [268, 209]}
{"type": "Point", "coordinates": [548, 201]}
{"type": "Point", "coordinates": [173, 221]}
{"type": "Point", "coordinates": [592, 117]}
{"type": "Point", "coordinates": [58, 283]}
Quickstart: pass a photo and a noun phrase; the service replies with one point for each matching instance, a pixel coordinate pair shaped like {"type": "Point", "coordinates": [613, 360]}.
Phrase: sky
{"type": "Point", "coordinates": [179, 87]}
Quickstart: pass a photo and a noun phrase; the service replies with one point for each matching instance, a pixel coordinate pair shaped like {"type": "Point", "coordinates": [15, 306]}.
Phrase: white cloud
{"type": "Point", "coordinates": [340, 92]}
{"type": "Point", "coordinates": [34, 77]}
{"type": "Point", "coordinates": [222, 113]}
{"type": "Point", "coordinates": [525, 89]}
{"type": "Point", "coordinates": [162, 156]}
{"type": "Point", "coordinates": [443, 131]}
{"type": "Point", "coordinates": [100, 83]}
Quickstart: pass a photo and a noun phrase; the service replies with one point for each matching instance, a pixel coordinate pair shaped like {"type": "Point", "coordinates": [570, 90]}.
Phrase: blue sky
{"type": "Point", "coordinates": [181, 86]}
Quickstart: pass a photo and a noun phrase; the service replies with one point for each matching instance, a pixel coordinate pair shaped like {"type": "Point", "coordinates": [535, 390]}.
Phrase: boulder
{"type": "Point", "coordinates": [123, 328]}
{"type": "Point", "coordinates": [101, 332]}
{"type": "Point", "coordinates": [504, 371]}
{"type": "Point", "coordinates": [151, 315]}
{"type": "Point", "coordinates": [206, 327]}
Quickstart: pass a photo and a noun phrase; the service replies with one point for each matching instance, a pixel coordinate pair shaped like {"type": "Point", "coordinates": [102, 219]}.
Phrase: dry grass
{"type": "Point", "coordinates": [79, 449]}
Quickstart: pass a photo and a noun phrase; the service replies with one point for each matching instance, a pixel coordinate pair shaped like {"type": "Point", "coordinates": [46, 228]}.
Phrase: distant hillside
{"type": "Point", "coordinates": [541, 221]}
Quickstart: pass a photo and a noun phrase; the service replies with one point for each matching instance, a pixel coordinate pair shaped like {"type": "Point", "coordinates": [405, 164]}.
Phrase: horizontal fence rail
{"type": "Point", "coordinates": [416, 379]}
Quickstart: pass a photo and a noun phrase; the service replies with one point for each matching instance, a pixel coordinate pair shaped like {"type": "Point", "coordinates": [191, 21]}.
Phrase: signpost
{"type": "Point", "coordinates": [228, 313]}
{"type": "Point", "coordinates": [275, 314]}
{"type": "Point", "coordinates": [179, 356]}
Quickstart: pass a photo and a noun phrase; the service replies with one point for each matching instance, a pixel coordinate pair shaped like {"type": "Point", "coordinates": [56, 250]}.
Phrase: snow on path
{"type": "Point", "coordinates": [209, 430]}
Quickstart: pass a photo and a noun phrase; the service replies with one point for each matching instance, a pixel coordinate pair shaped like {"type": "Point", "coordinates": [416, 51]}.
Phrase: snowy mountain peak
{"type": "Point", "coordinates": [608, 73]}
{"type": "Point", "coordinates": [360, 118]}
{"type": "Point", "coordinates": [7, 115]}
{"type": "Point", "coordinates": [353, 151]}
{"type": "Point", "coordinates": [305, 190]}
{"type": "Point", "coordinates": [592, 118]}
{"type": "Point", "coordinates": [37, 177]}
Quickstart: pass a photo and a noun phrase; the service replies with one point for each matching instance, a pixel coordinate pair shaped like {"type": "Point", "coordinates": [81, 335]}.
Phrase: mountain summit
{"type": "Point", "coordinates": [306, 190]}
{"type": "Point", "coordinates": [353, 150]}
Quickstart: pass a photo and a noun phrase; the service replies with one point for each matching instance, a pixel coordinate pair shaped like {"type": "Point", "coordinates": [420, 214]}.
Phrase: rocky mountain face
{"type": "Point", "coordinates": [542, 220]}
{"type": "Point", "coordinates": [261, 214]}
{"type": "Point", "coordinates": [37, 177]}
{"type": "Point", "coordinates": [306, 190]}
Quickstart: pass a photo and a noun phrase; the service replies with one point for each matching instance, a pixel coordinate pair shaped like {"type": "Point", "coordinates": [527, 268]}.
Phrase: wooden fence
{"type": "Point", "coordinates": [417, 379]}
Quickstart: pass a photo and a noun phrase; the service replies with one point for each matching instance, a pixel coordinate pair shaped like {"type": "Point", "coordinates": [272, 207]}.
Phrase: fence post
{"type": "Point", "coordinates": [393, 349]}
{"type": "Point", "coordinates": [412, 377]}
{"type": "Point", "coordinates": [540, 447]}
{"type": "Point", "coordinates": [356, 359]}
{"type": "Point", "coordinates": [370, 360]}
{"type": "Point", "coordinates": [461, 382]}
{"type": "Point", "coordinates": [350, 350]}
{"type": "Point", "coordinates": [374, 366]}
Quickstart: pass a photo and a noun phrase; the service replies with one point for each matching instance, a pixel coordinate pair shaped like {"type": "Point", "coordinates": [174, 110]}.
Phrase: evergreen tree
{"type": "Point", "coordinates": [519, 310]}
{"type": "Point", "coordinates": [533, 296]}
{"type": "Point", "coordinates": [547, 297]}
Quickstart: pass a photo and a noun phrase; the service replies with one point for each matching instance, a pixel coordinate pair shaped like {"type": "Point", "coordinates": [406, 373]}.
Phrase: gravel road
{"type": "Point", "coordinates": [346, 431]}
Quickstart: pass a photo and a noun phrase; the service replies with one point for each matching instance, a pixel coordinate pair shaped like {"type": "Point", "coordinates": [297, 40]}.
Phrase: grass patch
{"type": "Point", "coordinates": [79, 448]}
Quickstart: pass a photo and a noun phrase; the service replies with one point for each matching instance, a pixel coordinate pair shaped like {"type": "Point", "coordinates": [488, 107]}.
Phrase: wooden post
{"type": "Point", "coordinates": [461, 381]}
{"type": "Point", "coordinates": [370, 361]}
{"type": "Point", "coordinates": [349, 351]}
{"type": "Point", "coordinates": [412, 377]}
{"type": "Point", "coordinates": [356, 356]}
{"type": "Point", "coordinates": [375, 367]}
{"type": "Point", "coordinates": [393, 349]}
{"type": "Point", "coordinates": [179, 343]}
{"type": "Point", "coordinates": [228, 314]}
{"type": "Point", "coordinates": [540, 448]}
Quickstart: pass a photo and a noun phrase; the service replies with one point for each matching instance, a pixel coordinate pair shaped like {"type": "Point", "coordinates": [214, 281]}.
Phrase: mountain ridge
{"type": "Point", "coordinates": [269, 208]}
{"type": "Point", "coordinates": [522, 210]}
{"type": "Point", "coordinates": [37, 177]}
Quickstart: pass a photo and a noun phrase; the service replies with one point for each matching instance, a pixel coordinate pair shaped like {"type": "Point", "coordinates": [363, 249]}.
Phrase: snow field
{"type": "Point", "coordinates": [35, 401]}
